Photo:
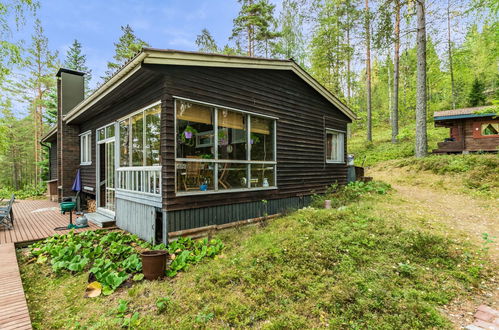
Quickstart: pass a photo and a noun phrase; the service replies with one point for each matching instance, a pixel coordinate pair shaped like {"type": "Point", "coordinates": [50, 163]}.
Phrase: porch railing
{"type": "Point", "coordinates": [145, 179]}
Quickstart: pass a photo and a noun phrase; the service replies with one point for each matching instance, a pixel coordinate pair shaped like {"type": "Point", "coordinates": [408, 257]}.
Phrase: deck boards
{"type": "Point", "coordinates": [35, 220]}
{"type": "Point", "coordinates": [14, 309]}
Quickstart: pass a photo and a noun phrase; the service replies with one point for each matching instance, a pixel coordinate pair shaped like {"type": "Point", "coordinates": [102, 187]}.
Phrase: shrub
{"type": "Point", "coordinates": [344, 195]}
{"type": "Point", "coordinates": [29, 191]}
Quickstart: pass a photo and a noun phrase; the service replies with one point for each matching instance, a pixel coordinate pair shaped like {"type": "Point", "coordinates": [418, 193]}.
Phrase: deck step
{"type": "Point", "coordinates": [101, 220]}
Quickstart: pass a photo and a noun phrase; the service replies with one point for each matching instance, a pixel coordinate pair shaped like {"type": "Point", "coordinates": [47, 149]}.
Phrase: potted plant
{"type": "Point", "coordinates": [188, 134]}
{"type": "Point", "coordinates": [254, 138]}
{"type": "Point", "coordinates": [222, 138]}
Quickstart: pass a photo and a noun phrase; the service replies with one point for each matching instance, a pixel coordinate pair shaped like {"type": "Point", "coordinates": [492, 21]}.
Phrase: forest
{"type": "Point", "coordinates": [394, 62]}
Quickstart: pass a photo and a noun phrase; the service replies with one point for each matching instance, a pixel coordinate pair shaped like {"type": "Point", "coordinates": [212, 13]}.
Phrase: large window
{"type": "Point", "coordinates": [139, 138]}
{"type": "Point", "coordinates": [335, 150]}
{"type": "Point", "coordinates": [220, 149]}
{"type": "Point", "coordinates": [139, 151]}
{"type": "Point", "coordinates": [86, 148]}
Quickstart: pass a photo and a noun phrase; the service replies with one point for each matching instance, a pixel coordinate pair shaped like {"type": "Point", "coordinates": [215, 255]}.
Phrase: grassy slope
{"type": "Point", "coordinates": [476, 174]}
{"type": "Point", "coordinates": [381, 149]}
{"type": "Point", "coordinates": [375, 263]}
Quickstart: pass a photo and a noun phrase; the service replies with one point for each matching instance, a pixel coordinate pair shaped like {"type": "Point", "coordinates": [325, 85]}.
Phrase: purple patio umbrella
{"type": "Point", "coordinates": [77, 187]}
{"type": "Point", "coordinates": [77, 182]}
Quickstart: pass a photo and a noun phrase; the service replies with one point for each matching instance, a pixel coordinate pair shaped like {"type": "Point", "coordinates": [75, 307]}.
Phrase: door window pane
{"type": "Point", "coordinates": [262, 175]}
{"type": "Point", "coordinates": [137, 139]}
{"type": "Point", "coordinates": [109, 131]}
{"type": "Point", "coordinates": [262, 139]}
{"type": "Point", "coordinates": [232, 132]}
{"type": "Point", "coordinates": [195, 131]}
{"type": "Point", "coordinates": [152, 143]}
{"type": "Point", "coordinates": [195, 176]}
{"type": "Point", "coordinates": [101, 134]}
{"type": "Point", "coordinates": [232, 176]}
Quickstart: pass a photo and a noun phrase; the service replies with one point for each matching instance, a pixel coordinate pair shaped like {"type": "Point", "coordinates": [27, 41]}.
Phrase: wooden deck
{"type": "Point", "coordinates": [13, 307]}
{"type": "Point", "coordinates": [35, 220]}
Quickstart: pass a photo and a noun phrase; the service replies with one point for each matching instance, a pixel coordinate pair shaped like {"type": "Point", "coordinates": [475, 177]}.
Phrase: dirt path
{"type": "Point", "coordinates": [455, 210]}
{"type": "Point", "coordinates": [462, 214]}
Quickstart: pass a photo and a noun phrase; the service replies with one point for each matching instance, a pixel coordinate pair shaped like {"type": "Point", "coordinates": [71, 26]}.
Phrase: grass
{"type": "Point", "coordinates": [360, 266]}
{"type": "Point", "coordinates": [381, 149]}
{"type": "Point", "coordinates": [475, 174]}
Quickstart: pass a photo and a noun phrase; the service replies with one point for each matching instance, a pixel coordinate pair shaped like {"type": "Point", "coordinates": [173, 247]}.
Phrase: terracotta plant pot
{"type": "Point", "coordinates": [154, 264]}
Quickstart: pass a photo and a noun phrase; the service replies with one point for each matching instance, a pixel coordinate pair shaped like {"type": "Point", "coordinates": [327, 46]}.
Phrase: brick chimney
{"type": "Point", "coordinates": [70, 92]}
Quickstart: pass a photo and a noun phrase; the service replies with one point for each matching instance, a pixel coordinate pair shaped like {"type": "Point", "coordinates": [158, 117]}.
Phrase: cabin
{"type": "Point", "coordinates": [471, 130]}
{"type": "Point", "coordinates": [180, 142]}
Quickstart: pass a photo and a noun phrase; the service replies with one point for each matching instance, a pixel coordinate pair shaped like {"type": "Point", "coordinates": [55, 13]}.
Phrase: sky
{"type": "Point", "coordinates": [172, 24]}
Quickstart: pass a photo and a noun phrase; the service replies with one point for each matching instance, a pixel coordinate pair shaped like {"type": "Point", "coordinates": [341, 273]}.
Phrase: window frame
{"type": "Point", "coordinates": [86, 140]}
{"type": "Point", "coordinates": [128, 118]}
{"type": "Point", "coordinates": [342, 154]}
{"type": "Point", "coordinates": [488, 123]}
{"type": "Point", "coordinates": [216, 161]}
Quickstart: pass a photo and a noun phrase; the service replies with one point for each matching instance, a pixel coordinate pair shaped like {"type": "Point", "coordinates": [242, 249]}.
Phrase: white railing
{"type": "Point", "coordinates": [144, 179]}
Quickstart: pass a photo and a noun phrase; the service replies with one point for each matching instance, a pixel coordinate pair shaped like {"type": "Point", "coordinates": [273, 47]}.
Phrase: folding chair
{"type": "Point", "coordinates": [7, 214]}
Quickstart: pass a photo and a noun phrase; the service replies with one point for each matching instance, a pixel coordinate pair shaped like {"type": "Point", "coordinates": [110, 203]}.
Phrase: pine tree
{"type": "Point", "coordinates": [206, 43]}
{"type": "Point", "coordinates": [34, 87]}
{"type": "Point", "coordinates": [292, 43]}
{"type": "Point", "coordinates": [256, 24]}
{"type": "Point", "coordinates": [126, 47]}
{"type": "Point", "coordinates": [368, 70]}
{"type": "Point", "coordinates": [421, 148]}
{"type": "Point", "coordinates": [76, 60]}
{"type": "Point", "coordinates": [477, 93]}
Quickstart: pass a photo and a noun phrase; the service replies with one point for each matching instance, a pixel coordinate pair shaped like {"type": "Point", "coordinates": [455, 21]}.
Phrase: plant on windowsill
{"type": "Point", "coordinates": [254, 138]}
{"type": "Point", "coordinates": [222, 138]}
{"type": "Point", "coordinates": [188, 135]}
{"type": "Point", "coordinates": [206, 156]}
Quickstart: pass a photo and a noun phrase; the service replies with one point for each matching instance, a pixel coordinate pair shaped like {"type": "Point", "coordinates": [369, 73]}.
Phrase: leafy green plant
{"type": "Point", "coordinates": [124, 317]}
{"type": "Point", "coordinates": [162, 304]}
{"type": "Point", "coordinates": [113, 257]}
{"type": "Point", "coordinates": [344, 195]}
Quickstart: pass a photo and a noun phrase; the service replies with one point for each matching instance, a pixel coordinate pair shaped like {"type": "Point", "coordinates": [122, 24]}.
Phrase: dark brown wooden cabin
{"type": "Point", "coordinates": [176, 141]}
{"type": "Point", "coordinates": [471, 130]}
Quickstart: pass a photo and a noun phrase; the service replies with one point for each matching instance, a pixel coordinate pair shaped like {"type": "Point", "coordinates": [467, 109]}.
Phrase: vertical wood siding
{"type": "Point", "coordinates": [303, 116]}
{"type": "Point", "coordinates": [222, 214]}
{"type": "Point", "coordinates": [136, 218]}
{"type": "Point", "coordinates": [147, 88]}
{"type": "Point", "coordinates": [53, 160]}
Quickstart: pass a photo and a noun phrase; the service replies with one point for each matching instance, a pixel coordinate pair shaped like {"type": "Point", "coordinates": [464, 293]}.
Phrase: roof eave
{"type": "Point", "coordinates": [439, 118]}
{"type": "Point", "coordinates": [49, 134]}
{"type": "Point", "coordinates": [172, 57]}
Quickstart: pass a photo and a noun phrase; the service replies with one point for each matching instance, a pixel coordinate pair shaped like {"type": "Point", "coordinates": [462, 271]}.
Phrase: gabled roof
{"type": "Point", "coordinates": [175, 57]}
{"type": "Point", "coordinates": [485, 111]}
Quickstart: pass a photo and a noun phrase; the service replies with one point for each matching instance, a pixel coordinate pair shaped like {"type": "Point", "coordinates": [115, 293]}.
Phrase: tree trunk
{"type": "Point", "coordinates": [421, 148]}
{"type": "Point", "coordinates": [368, 74]}
{"type": "Point", "coordinates": [396, 72]}
{"type": "Point", "coordinates": [449, 44]}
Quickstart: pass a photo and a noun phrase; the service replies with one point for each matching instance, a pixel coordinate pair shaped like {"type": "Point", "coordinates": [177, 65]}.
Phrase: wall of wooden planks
{"type": "Point", "coordinates": [303, 116]}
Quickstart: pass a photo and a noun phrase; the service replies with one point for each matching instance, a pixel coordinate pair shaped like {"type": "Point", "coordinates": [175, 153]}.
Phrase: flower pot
{"type": "Point", "coordinates": [154, 264]}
